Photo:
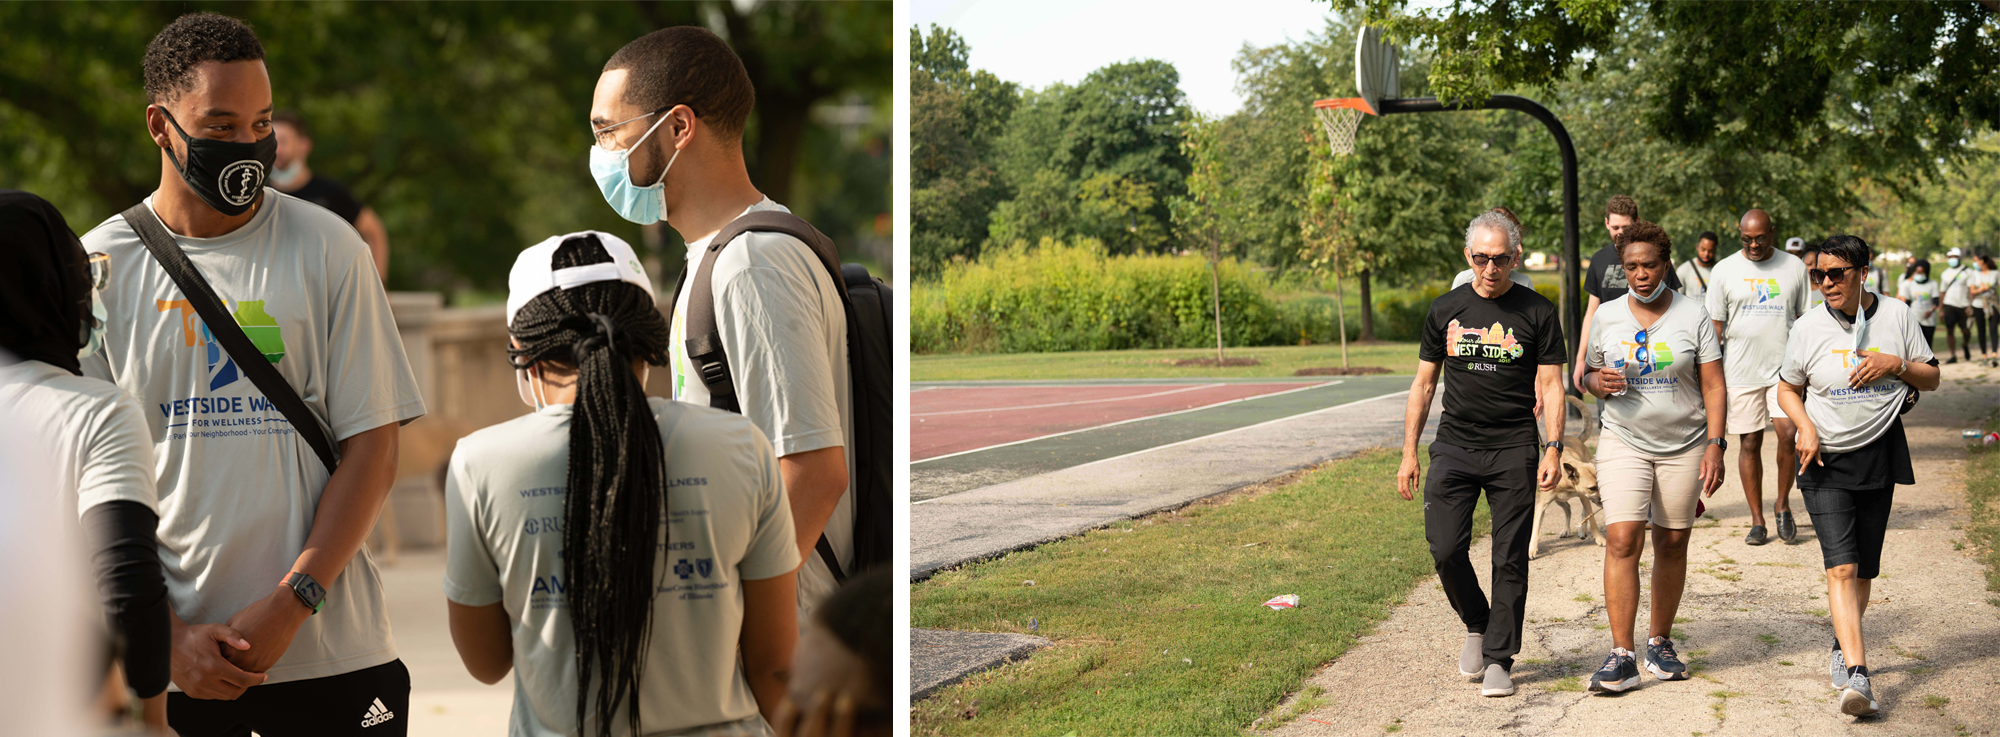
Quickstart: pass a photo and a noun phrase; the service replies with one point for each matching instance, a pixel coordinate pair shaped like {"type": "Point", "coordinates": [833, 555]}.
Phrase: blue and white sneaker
{"type": "Point", "coordinates": [1836, 668]}
{"type": "Point", "coordinates": [1620, 673]}
{"type": "Point", "coordinates": [1858, 699]}
{"type": "Point", "coordinates": [1664, 663]}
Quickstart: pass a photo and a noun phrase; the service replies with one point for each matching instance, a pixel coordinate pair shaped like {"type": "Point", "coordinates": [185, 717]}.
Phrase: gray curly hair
{"type": "Point", "coordinates": [1498, 222]}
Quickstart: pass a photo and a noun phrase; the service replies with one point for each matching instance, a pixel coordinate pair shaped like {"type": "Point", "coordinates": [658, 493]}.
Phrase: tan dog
{"type": "Point", "coordinates": [1578, 483]}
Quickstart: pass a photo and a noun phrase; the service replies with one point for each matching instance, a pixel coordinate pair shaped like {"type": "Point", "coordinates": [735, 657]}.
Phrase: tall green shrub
{"type": "Point", "coordinates": [1075, 297]}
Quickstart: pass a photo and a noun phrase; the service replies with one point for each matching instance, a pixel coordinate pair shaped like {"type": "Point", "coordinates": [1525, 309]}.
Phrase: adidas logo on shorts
{"type": "Point", "coordinates": [377, 714]}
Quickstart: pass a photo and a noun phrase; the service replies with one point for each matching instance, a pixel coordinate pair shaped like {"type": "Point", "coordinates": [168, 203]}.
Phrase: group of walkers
{"type": "Point", "coordinates": [219, 385]}
{"type": "Point", "coordinates": [1964, 297]}
{"type": "Point", "coordinates": [1678, 363]}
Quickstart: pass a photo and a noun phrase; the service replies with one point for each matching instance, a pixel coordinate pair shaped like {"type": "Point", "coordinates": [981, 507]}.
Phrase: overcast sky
{"type": "Point", "coordinates": [1040, 42]}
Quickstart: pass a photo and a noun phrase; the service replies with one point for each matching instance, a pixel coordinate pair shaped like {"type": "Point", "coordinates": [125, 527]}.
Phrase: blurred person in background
{"type": "Point", "coordinates": [1694, 272]}
{"type": "Point", "coordinates": [91, 436]}
{"type": "Point", "coordinates": [291, 175]}
{"type": "Point", "coordinates": [1605, 281]}
{"type": "Point", "coordinates": [840, 683]}
{"type": "Point", "coordinates": [631, 559]}
{"type": "Point", "coordinates": [1921, 294]}
{"type": "Point", "coordinates": [1985, 306]}
{"type": "Point", "coordinates": [1955, 311]}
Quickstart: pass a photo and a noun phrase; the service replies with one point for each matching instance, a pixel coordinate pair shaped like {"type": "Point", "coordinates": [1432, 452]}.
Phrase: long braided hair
{"type": "Point", "coordinates": [614, 511]}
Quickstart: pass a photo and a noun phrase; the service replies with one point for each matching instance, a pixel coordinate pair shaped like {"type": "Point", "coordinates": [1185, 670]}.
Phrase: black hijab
{"type": "Point", "coordinates": [44, 282]}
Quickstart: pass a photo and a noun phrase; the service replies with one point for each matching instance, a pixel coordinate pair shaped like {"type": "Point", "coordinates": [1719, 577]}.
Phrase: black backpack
{"type": "Point", "coordinates": [867, 301]}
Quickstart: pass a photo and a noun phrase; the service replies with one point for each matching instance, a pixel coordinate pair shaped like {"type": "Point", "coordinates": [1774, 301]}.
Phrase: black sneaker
{"type": "Point", "coordinates": [1664, 663]}
{"type": "Point", "coordinates": [1788, 529]}
{"type": "Point", "coordinates": [1619, 674]}
{"type": "Point", "coordinates": [1757, 536]}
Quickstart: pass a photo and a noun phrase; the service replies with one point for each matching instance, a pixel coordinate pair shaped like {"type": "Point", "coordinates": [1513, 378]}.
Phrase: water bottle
{"type": "Point", "coordinates": [1619, 363]}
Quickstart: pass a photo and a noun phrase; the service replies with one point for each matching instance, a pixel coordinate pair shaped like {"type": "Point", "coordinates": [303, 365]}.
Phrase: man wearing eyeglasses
{"type": "Point", "coordinates": [1503, 347]}
{"type": "Point", "coordinates": [668, 117]}
{"type": "Point", "coordinates": [1753, 297]}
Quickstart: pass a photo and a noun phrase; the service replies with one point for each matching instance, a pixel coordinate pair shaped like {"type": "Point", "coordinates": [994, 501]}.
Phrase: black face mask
{"type": "Point", "coordinates": [228, 175]}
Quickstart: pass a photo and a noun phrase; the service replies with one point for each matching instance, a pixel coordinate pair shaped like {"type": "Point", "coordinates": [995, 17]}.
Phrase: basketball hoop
{"type": "Point", "coordinates": [1341, 118]}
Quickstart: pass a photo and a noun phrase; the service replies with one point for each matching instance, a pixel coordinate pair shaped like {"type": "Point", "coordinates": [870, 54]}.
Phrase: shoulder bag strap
{"type": "Point", "coordinates": [225, 331]}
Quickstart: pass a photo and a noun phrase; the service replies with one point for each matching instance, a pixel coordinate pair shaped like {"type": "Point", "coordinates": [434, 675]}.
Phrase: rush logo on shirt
{"type": "Point", "coordinates": [258, 325]}
{"type": "Point", "coordinates": [1494, 342]}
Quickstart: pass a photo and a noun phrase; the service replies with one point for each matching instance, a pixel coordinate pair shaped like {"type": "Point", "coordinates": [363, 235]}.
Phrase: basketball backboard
{"type": "Point", "coordinates": [1377, 69]}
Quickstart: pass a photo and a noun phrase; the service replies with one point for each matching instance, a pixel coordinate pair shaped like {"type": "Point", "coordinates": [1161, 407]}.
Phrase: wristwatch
{"type": "Point", "coordinates": [1556, 444]}
{"type": "Point", "coordinates": [1901, 366]}
{"type": "Point", "coordinates": [1721, 442]}
{"type": "Point", "coordinates": [310, 593]}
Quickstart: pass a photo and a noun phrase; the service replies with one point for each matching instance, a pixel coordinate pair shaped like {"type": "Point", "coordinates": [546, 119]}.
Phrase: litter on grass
{"type": "Point", "coordinates": [1288, 601]}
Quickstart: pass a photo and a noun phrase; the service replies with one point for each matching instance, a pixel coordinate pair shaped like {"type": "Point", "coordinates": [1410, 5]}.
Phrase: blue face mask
{"type": "Point", "coordinates": [642, 205]}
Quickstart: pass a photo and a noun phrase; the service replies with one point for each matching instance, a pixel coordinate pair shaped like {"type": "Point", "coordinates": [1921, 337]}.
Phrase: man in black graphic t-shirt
{"type": "Point", "coordinates": [1502, 346]}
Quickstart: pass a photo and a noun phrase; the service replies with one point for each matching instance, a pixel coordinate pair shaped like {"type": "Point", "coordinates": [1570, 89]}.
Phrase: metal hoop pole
{"type": "Point", "coordinates": [1571, 298]}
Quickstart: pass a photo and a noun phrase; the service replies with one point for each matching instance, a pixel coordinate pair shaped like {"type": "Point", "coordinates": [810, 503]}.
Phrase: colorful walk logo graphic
{"type": "Point", "coordinates": [1847, 356]}
{"type": "Point", "coordinates": [1767, 289]}
{"type": "Point", "coordinates": [1661, 354]}
{"type": "Point", "coordinates": [1493, 342]}
{"type": "Point", "coordinates": [258, 325]}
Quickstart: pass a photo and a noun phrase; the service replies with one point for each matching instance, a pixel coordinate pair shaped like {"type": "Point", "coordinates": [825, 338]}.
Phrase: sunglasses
{"type": "Point", "coordinates": [1643, 355]}
{"type": "Point", "coordinates": [1481, 260]}
{"type": "Point", "coordinates": [1821, 276]}
{"type": "Point", "coordinates": [100, 271]}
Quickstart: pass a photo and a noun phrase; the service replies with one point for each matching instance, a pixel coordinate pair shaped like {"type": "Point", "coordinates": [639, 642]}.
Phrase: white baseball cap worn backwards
{"type": "Point", "coordinates": [534, 274]}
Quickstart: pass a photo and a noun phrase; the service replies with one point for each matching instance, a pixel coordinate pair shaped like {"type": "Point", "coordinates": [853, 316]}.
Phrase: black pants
{"type": "Point", "coordinates": [1508, 477]}
{"type": "Point", "coordinates": [1930, 336]}
{"type": "Point", "coordinates": [1851, 526]}
{"type": "Point", "coordinates": [1954, 321]}
{"type": "Point", "coordinates": [1983, 319]}
{"type": "Point", "coordinates": [371, 702]}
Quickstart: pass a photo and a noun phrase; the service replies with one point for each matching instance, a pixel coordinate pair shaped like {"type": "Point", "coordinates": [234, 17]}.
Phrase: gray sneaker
{"type": "Point", "coordinates": [1497, 683]}
{"type": "Point", "coordinates": [1471, 655]}
{"type": "Point", "coordinates": [1858, 699]}
{"type": "Point", "coordinates": [1788, 529]}
{"type": "Point", "coordinates": [1757, 536]}
{"type": "Point", "coordinates": [1836, 668]}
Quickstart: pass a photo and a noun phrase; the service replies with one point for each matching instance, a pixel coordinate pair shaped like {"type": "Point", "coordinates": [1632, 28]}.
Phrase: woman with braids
{"type": "Point", "coordinates": [630, 556]}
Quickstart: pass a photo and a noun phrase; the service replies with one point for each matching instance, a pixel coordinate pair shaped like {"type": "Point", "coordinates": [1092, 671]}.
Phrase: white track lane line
{"type": "Point", "coordinates": [1065, 404]}
{"type": "Point", "coordinates": [1135, 419]}
{"type": "Point", "coordinates": [1205, 437]}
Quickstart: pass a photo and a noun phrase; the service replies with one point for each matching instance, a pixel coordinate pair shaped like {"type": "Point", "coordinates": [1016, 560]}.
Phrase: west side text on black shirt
{"type": "Point", "coordinates": [1488, 351]}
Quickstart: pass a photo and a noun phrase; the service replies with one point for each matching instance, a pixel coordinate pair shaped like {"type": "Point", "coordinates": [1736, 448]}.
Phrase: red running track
{"type": "Point", "coordinates": [951, 420]}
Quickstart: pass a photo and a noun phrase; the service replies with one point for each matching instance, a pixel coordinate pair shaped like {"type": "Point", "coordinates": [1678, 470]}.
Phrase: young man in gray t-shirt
{"type": "Point", "coordinates": [781, 319]}
{"type": "Point", "coordinates": [261, 544]}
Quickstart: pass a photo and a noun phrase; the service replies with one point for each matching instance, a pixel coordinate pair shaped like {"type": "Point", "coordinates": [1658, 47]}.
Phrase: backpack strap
{"type": "Point", "coordinates": [224, 329]}
{"type": "Point", "coordinates": [704, 339]}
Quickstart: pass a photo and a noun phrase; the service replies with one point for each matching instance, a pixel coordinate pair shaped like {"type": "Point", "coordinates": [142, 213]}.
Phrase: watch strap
{"type": "Point", "coordinates": [308, 591]}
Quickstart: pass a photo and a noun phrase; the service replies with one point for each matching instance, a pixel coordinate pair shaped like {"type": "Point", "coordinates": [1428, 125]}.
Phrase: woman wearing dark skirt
{"type": "Point", "coordinates": [1849, 366]}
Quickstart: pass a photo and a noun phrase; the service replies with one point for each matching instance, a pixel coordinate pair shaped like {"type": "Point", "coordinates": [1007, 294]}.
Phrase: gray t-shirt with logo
{"type": "Point", "coordinates": [728, 523]}
{"type": "Point", "coordinates": [1661, 412]}
{"type": "Point", "coordinates": [1756, 301]}
{"type": "Point", "coordinates": [1820, 356]}
{"type": "Point", "coordinates": [238, 488]}
{"type": "Point", "coordinates": [785, 331]}
{"type": "Point", "coordinates": [90, 433]}
{"type": "Point", "coordinates": [1923, 299]}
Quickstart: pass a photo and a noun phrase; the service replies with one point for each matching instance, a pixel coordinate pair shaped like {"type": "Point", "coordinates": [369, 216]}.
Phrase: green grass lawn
{"type": "Point", "coordinates": [1156, 364]}
{"type": "Point", "coordinates": [1157, 624]}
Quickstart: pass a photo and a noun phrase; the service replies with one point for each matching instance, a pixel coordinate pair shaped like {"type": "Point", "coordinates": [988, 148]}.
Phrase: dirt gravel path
{"type": "Point", "coordinates": [1755, 627]}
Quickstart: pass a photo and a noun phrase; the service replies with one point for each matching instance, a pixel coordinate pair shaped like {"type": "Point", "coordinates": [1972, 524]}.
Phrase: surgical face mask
{"type": "Point", "coordinates": [529, 389]}
{"type": "Point", "coordinates": [1658, 290]}
{"type": "Point", "coordinates": [1953, 261]}
{"type": "Point", "coordinates": [284, 176]}
{"type": "Point", "coordinates": [1921, 278]}
{"type": "Point", "coordinates": [228, 175]}
{"type": "Point", "coordinates": [642, 205]}
{"type": "Point", "coordinates": [92, 335]}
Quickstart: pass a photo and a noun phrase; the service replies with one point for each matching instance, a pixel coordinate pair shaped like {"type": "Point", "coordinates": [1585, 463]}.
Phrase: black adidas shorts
{"type": "Point", "coordinates": [372, 702]}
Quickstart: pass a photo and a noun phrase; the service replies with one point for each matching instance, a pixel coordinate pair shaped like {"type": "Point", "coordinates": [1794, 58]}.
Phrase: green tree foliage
{"type": "Point", "coordinates": [461, 124]}
{"type": "Point", "coordinates": [1897, 86]}
{"type": "Point", "coordinates": [956, 116]}
{"type": "Point", "coordinates": [1122, 121]}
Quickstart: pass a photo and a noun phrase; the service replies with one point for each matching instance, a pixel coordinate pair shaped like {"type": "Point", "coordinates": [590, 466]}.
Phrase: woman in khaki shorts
{"type": "Point", "coordinates": [1657, 368]}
